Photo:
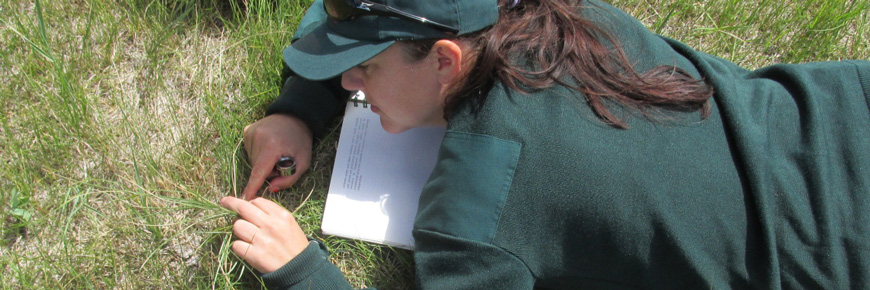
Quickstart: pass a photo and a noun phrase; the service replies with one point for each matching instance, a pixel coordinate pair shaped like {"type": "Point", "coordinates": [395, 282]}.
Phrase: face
{"type": "Point", "coordinates": [405, 94]}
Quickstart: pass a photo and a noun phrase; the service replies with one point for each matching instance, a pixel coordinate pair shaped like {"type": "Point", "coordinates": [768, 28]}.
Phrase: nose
{"type": "Point", "coordinates": [351, 80]}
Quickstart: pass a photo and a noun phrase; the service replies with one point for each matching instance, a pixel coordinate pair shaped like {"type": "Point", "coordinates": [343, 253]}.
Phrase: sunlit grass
{"type": "Point", "coordinates": [121, 127]}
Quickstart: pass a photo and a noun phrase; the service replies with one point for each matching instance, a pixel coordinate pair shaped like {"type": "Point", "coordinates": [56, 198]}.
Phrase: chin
{"type": "Point", "coordinates": [393, 128]}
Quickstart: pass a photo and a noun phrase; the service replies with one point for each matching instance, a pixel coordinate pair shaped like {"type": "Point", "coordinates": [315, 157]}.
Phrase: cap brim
{"type": "Point", "coordinates": [323, 54]}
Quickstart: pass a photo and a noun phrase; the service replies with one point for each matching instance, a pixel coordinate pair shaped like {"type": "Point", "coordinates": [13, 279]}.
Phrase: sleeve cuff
{"type": "Point", "coordinates": [311, 269]}
{"type": "Point", "coordinates": [315, 103]}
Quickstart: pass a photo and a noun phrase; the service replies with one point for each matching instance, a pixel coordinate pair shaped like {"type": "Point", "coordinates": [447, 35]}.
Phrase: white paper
{"type": "Point", "coordinates": [377, 179]}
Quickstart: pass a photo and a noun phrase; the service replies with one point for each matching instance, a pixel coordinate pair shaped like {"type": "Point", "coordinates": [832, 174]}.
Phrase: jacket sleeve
{"type": "Point", "coordinates": [448, 262]}
{"type": "Point", "coordinates": [316, 103]}
{"type": "Point", "coordinates": [310, 270]}
{"type": "Point", "coordinates": [459, 213]}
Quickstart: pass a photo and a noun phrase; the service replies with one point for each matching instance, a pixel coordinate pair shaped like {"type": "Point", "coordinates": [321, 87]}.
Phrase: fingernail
{"type": "Point", "coordinates": [274, 190]}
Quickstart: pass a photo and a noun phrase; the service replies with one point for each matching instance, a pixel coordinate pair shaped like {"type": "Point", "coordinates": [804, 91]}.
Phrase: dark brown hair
{"type": "Point", "coordinates": [542, 43]}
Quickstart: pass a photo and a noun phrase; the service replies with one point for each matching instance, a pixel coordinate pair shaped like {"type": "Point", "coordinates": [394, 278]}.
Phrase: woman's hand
{"type": "Point", "coordinates": [266, 141]}
{"type": "Point", "coordinates": [269, 236]}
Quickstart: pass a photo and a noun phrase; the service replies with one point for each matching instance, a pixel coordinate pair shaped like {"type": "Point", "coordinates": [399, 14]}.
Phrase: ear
{"type": "Point", "coordinates": [449, 60]}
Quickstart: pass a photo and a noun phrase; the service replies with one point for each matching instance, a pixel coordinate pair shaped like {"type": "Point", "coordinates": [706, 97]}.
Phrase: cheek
{"type": "Point", "coordinates": [407, 95]}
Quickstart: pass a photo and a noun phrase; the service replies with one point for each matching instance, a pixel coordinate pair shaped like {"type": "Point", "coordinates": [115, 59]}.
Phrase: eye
{"type": "Point", "coordinates": [364, 68]}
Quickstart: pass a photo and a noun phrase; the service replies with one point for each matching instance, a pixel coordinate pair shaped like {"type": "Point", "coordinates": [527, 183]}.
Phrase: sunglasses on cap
{"type": "Point", "coordinates": [348, 9]}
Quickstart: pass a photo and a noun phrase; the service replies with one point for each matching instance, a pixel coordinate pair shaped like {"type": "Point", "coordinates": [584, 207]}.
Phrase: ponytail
{"type": "Point", "coordinates": [542, 43]}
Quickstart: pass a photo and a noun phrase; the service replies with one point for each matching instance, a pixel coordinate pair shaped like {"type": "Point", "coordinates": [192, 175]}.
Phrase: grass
{"type": "Point", "coordinates": [121, 128]}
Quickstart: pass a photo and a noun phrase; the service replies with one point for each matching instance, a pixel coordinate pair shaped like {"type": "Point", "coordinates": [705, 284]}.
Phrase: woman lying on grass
{"type": "Point", "coordinates": [581, 151]}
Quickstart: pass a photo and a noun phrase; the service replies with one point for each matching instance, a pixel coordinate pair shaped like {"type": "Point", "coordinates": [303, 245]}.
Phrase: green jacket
{"type": "Point", "coordinates": [771, 191]}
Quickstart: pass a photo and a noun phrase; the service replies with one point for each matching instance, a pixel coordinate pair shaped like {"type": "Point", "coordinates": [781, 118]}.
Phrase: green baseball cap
{"type": "Point", "coordinates": [326, 46]}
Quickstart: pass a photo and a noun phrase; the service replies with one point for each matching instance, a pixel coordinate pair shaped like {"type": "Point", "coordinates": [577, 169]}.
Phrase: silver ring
{"type": "Point", "coordinates": [286, 166]}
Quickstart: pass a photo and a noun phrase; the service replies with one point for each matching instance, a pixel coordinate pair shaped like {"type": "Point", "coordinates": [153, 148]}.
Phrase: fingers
{"type": "Point", "coordinates": [245, 230]}
{"type": "Point", "coordinates": [282, 182]}
{"type": "Point", "coordinates": [241, 249]}
{"type": "Point", "coordinates": [270, 207]}
{"type": "Point", "coordinates": [262, 259]}
{"type": "Point", "coordinates": [268, 235]}
{"type": "Point", "coordinates": [245, 209]}
{"type": "Point", "coordinates": [266, 141]}
{"type": "Point", "coordinates": [259, 173]}
{"type": "Point", "coordinates": [276, 182]}
{"type": "Point", "coordinates": [253, 213]}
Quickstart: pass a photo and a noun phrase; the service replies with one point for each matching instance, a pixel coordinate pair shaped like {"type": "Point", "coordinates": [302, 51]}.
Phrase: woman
{"type": "Point", "coordinates": [581, 151]}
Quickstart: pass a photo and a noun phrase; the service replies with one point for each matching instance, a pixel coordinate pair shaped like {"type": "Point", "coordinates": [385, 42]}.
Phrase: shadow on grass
{"type": "Point", "coordinates": [13, 231]}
